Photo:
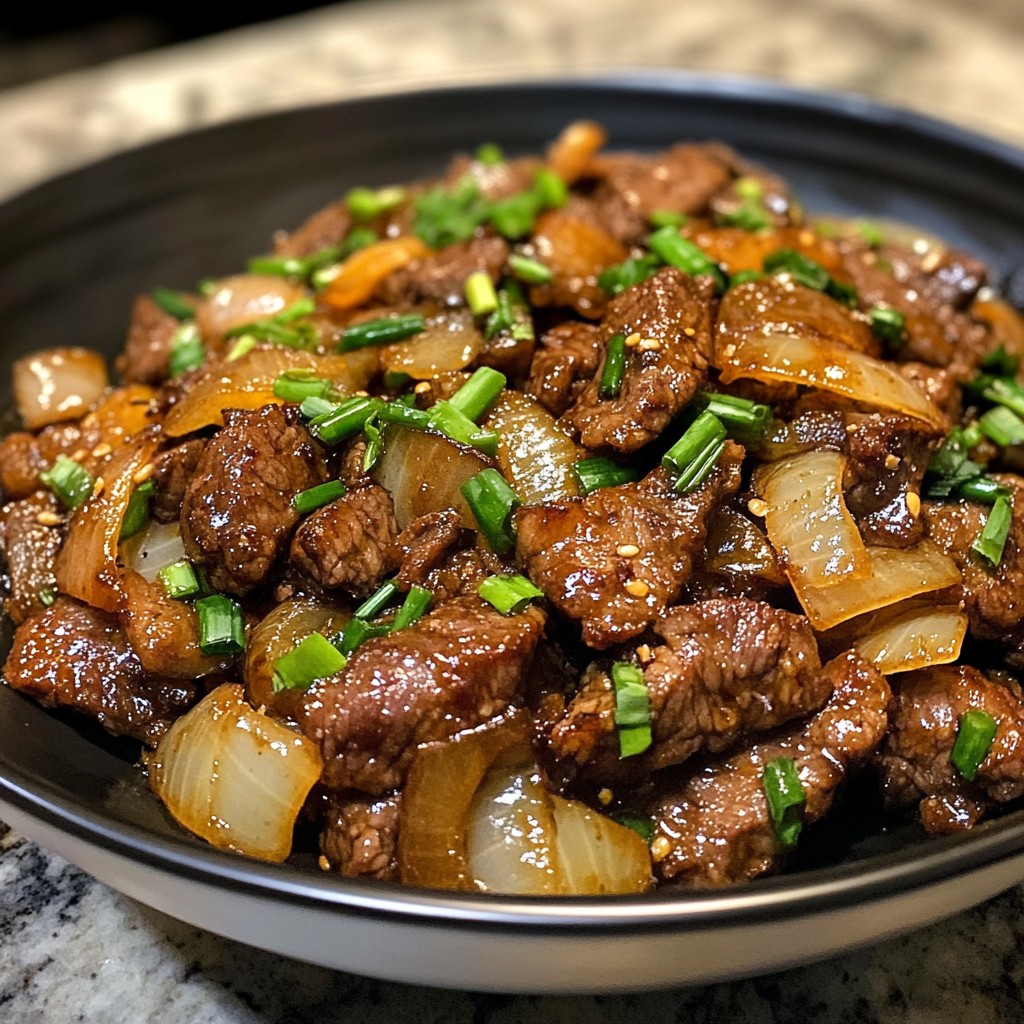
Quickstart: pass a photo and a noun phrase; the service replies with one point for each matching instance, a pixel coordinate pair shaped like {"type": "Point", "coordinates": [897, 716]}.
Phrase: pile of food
{"type": "Point", "coordinates": [578, 523]}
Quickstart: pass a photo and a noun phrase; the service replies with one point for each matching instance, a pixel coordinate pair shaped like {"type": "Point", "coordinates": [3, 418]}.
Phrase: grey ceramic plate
{"type": "Point", "coordinates": [76, 251]}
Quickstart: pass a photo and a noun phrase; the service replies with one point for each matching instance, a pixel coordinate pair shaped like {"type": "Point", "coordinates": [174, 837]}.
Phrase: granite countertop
{"type": "Point", "coordinates": [74, 950]}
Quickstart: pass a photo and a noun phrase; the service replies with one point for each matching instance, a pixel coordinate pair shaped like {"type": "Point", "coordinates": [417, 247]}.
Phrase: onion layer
{"type": "Point", "coordinates": [358, 277]}
{"type": "Point", "coordinates": [243, 299]}
{"type": "Point", "coordinates": [446, 343]}
{"type": "Point", "coordinates": [235, 777]}
{"type": "Point", "coordinates": [58, 384]}
{"type": "Point", "coordinates": [154, 547]}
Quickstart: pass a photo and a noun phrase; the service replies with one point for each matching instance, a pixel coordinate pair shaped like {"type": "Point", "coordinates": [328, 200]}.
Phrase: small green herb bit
{"type": "Point", "coordinates": [614, 368]}
{"type": "Point", "coordinates": [600, 471]}
{"type": "Point", "coordinates": [70, 481]}
{"type": "Point", "coordinates": [313, 498]}
{"type": "Point", "coordinates": [508, 594]}
{"type": "Point", "coordinates": [492, 503]}
{"type": "Point", "coordinates": [221, 626]}
{"type": "Point", "coordinates": [311, 659]}
{"type": "Point", "coordinates": [632, 709]}
{"type": "Point", "coordinates": [974, 736]}
{"type": "Point", "coordinates": [992, 539]}
{"type": "Point", "coordinates": [786, 799]}
{"type": "Point", "coordinates": [179, 580]}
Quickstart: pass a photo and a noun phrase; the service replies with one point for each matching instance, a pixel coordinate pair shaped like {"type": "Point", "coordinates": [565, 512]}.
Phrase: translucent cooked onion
{"type": "Point", "coordinates": [424, 471]}
{"type": "Point", "coordinates": [449, 342]}
{"type": "Point", "coordinates": [154, 547]}
{"type": "Point", "coordinates": [570, 154]}
{"type": "Point", "coordinates": [807, 520]}
{"type": "Point", "coordinates": [235, 777]}
{"type": "Point", "coordinates": [534, 453]}
{"type": "Point", "coordinates": [243, 299]}
{"type": "Point", "coordinates": [828, 365]}
{"type": "Point", "coordinates": [1005, 322]}
{"type": "Point", "coordinates": [737, 547]}
{"type": "Point", "coordinates": [58, 384]}
{"type": "Point", "coordinates": [358, 277]}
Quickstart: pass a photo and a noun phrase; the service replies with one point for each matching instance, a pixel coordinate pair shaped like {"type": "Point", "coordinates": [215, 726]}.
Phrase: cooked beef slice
{"type": "Point", "coordinates": [425, 543]}
{"type": "Point", "coordinates": [915, 761]}
{"type": "Point", "coordinates": [72, 656]}
{"type": "Point", "coordinates": [237, 513]}
{"type": "Point", "coordinates": [24, 456]}
{"type": "Point", "coordinates": [28, 549]}
{"type": "Point", "coordinates": [727, 669]}
{"type": "Point", "coordinates": [323, 229]}
{"type": "Point", "coordinates": [461, 573]}
{"type": "Point", "coordinates": [567, 358]}
{"type": "Point", "coordinates": [455, 668]}
{"type": "Point", "coordinates": [715, 829]}
{"type": "Point", "coordinates": [578, 550]}
{"type": "Point", "coordinates": [673, 311]}
{"type": "Point", "coordinates": [147, 349]}
{"type": "Point", "coordinates": [441, 276]}
{"type": "Point", "coordinates": [173, 469]}
{"type": "Point", "coordinates": [360, 836]}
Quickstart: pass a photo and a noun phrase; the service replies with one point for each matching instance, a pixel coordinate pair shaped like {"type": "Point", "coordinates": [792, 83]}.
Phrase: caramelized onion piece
{"type": "Point", "coordinates": [234, 777]}
{"type": "Point", "coordinates": [449, 342]}
{"type": "Point", "coordinates": [243, 299]}
{"type": "Point", "coordinates": [364, 270]}
{"type": "Point", "coordinates": [737, 547]}
{"type": "Point", "coordinates": [58, 384]}
{"type": "Point", "coordinates": [154, 547]}
{"type": "Point", "coordinates": [570, 154]}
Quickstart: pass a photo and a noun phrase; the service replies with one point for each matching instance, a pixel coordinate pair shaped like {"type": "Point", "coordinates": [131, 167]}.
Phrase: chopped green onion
{"type": "Point", "coordinates": [383, 331]}
{"type": "Point", "coordinates": [513, 218]}
{"type": "Point", "coordinates": [667, 219]}
{"type": "Point", "coordinates": [983, 489]}
{"type": "Point", "coordinates": [313, 498]}
{"type": "Point", "coordinates": [374, 444]}
{"type": "Point", "coordinates": [694, 456]}
{"type": "Point", "coordinates": [640, 825]}
{"type": "Point", "coordinates": [512, 315]}
{"type": "Point", "coordinates": [298, 385]}
{"type": "Point", "coordinates": [630, 272]}
{"type": "Point", "coordinates": [844, 293]}
{"type": "Point", "coordinates": [632, 709]}
{"type": "Point", "coordinates": [614, 368]}
{"type": "Point", "coordinates": [240, 348]}
{"type": "Point", "coordinates": [889, 325]}
{"type": "Point", "coordinates": [750, 215]}
{"type": "Point", "coordinates": [492, 503]}
{"type": "Point", "coordinates": [680, 252]}
{"type": "Point", "coordinates": [278, 266]}
{"type": "Point", "coordinates": [490, 154]}
{"type": "Point", "coordinates": [450, 421]}
{"type": "Point", "coordinates": [786, 798]}
{"type": "Point", "coordinates": [356, 631]}
{"type": "Point", "coordinates": [313, 658]}
{"type": "Point", "coordinates": [974, 735]}
{"type": "Point", "coordinates": [593, 474]}
{"type": "Point", "coordinates": [187, 349]}
{"type": "Point", "coordinates": [508, 594]}
{"type": "Point", "coordinates": [870, 232]}
{"type": "Point", "coordinates": [403, 416]}
{"type": "Point", "coordinates": [1001, 363]}
{"type": "Point", "coordinates": [47, 597]}
{"type": "Point", "coordinates": [173, 303]}
{"type": "Point", "coordinates": [70, 481]}
{"type": "Point", "coordinates": [1003, 426]}
{"type": "Point", "coordinates": [368, 203]}
{"type": "Point", "coordinates": [479, 393]}
{"type": "Point", "coordinates": [302, 307]}
{"type": "Point", "coordinates": [803, 270]}
{"type": "Point", "coordinates": [550, 188]}
{"type": "Point", "coordinates": [416, 602]}
{"type": "Point", "coordinates": [377, 601]}
{"type": "Point", "coordinates": [480, 294]}
{"type": "Point", "coordinates": [136, 515]}
{"type": "Point", "coordinates": [743, 276]}
{"type": "Point", "coordinates": [992, 539]}
{"type": "Point", "coordinates": [445, 216]}
{"type": "Point", "coordinates": [344, 420]}
{"type": "Point", "coordinates": [326, 264]}
{"type": "Point", "coordinates": [528, 269]}
{"type": "Point", "coordinates": [1001, 391]}
{"type": "Point", "coordinates": [745, 420]}
{"type": "Point", "coordinates": [207, 286]}
{"type": "Point", "coordinates": [302, 336]}
{"type": "Point", "coordinates": [221, 626]}
{"type": "Point", "coordinates": [951, 463]}
{"type": "Point", "coordinates": [179, 580]}
{"type": "Point", "coordinates": [311, 408]}
{"type": "Point", "coordinates": [748, 187]}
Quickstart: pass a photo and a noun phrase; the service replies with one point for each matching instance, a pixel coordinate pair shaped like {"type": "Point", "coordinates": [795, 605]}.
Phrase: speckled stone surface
{"type": "Point", "coordinates": [74, 950]}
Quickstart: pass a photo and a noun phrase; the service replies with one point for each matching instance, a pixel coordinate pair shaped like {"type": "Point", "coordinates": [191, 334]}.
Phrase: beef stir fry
{"type": "Point", "coordinates": [578, 523]}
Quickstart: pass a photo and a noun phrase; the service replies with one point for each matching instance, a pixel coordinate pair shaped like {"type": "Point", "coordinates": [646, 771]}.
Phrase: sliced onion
{"type": "Point", "coordinates": [154, 547]}
{"type": "Point", "coordinates": [736, 249]}
{"type": "Point", "coordinates": [896, 574]}
{"type": "Point", "coordinates": [124, 412]}
{"type": "Point", "coordinates": [448, 342]}
{"type": "Point", "coordinates": [58, 384]}
{"type": "Point", "coordinates": [737, 547]}
{"type": "Point", "coordinates": [424, 471]}
{"type": "Point", "coordinates": [243, 299]}
{"type": "Point", "coordinates": [1005, 322]}
{"type": "Point", "coordinates": [235, 777]}
{"type": "Point", "coordinates": [358, 277]}
{"type": "Point", "coordinates": [569, 155]}
{"type": "Point", "coordinates": [828, 365]}
{"type": "Point", "coordinates": [535, 454]}
{"type": "Point", "coordinates": [808, 522]}
{"type": "Point", "coordinates": [87, 564]}
{"type": "Point", "coordinates": [248, 383]}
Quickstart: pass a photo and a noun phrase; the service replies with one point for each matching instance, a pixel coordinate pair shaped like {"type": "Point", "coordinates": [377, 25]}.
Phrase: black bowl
{"type": "Point", "coordinates": [76, 251]}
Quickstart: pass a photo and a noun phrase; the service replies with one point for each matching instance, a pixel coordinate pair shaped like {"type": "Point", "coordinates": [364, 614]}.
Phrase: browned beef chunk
{"type": "Point", "coordinates": [29, 549]}
{"type": "Point", "coordinates": [454, 669]}
{"type": "Point", "coordinates": [237, 512]}
{"type": "Point", "coordinates": [72, 656]}
{"type": "Point", "coordinates": [568, 356]}
{"type": "Point", "coordinates": [24, 456]}
{"type": "Point", "coordinates": [147, 349]}
{"type": "Point", "coordinates": [173, 469]}
{"type": "Point", "coordinates": [938, 384]}
{"type": "Point", "coordinates": [671, 311]}
{"type": "Point", "coordinates": [915, 760]}
{"type": "Point", "coordinates": [717, 830]}
{"type": "Point", "coordinates": [495, 181]}
{"type": "Point", "coordinates": [351, 472]}
{"type": "Point", "coordinates": [728, 669]}
{"type": "Point", "coordinates": [461, 574]}
{"type": "Point", "coordinates": [349, 543]}
{"type": "Point", "coordinates": [441, 276]}
{"type": "Point", "coordinates": [360, 836]}
{"type": "Point", "coordinates": [324, 228]}
{"type": "Point", "coordinates": [580, 551]}
{"type": "Point", "coordinates": [424, 544]}
{"type": "Point", "coordinates": [994, 598]}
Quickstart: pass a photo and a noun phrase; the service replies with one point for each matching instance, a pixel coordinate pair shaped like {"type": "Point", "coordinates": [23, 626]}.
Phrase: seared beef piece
{"type": "Point", "coordinates": [349, 543]}
{"type": "Point", "coordinates": [888, 457]}
{"type": "Point", "coordinates": [360, 836]}
{"type": "Point", "coordinates": [441, 276]}
{"type": "Point", "coordinates": [324, 228]}
{"type": "Point", "coordinates": [509, 352]}
{"type": "Point", "coordinates": [29, 549]}
{"type": "Point", "coordinates": [994, 598]}
{"type": "Point", "coordinates": [454, 669]}
{"type": "Point", "coordinates": [351, 472]}
{"type": "Point", "coordinates": [717, 830]}
{"type": "Point", "coordinates": [572, 549]}
{"type": "Point", "coordinates": [632, 187]}
{"type": "Point", "coordinates": [568, 356]}
{"type": "Point", "coordinates": [163, 632]}
{"type": "Point", "coordinates": [915, 759]}
{"type": "Point", "coordinates": [424, 544]}
{"type": "Point", "coordinates": [673, 310]}
{"type": "Point", "coordinates": [24, 456]}
{"type": "Point", "coordinates": [495, 181]}
{"type": "Point", "coordinates": [461, 574]}
{"type": "Point", "coordinates": [237, 512]}
{"type": "Point", "coordinates": [147, 349]}
{"type": "Point", "coordinates": [73, 656]}
{"type": "Point", "coordinates": [173, 469]}
{"type": "Point", "coordinates": [938, 384]}
{"type": "Point", "coordinates": [728, 668]}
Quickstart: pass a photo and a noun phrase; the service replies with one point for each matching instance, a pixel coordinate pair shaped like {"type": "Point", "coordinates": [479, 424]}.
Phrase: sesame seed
{"type": "Point", "coordinates": [605, 796]}
{"type": "Point", "coordinates": [649, 345]}
{"type": "Point", "coordinates": [689, 331]}
{"type": "Point", "coordinates": [101, 450]}
{"type": "Point", "coordinates": [931, 261]}
{"type": "Point", "coordinates": [891, 461]}
{"type": "Point", "coordinates": [79, 455]}
{"type": "Point", "coordinates": [97, 488]}
{"type": "Point", "coordinates": [47, 518]}
{"type": "Point", "coordinates": [913, 503]}
{"type": "Point", "coordinates": [422, 388]}
{"type": "Point", "coordinates": [627, 550]}
{"type": "Point", "coordinates": [638, 588]}
{"type": "Point", "coordinates": [143, 473]}
{"type": "Point", "coordinates": [323, 863]}
{"type": "Point", "coordinates": [758, 507]}
{"type": "Point", "coordinates": [806, 238]}
{"type": "Point", "coordinates": [633, 340]}
{"type": "Point", "coordinates": [660, 849]}
{"type": "Point", "coordinates": [643, 652]}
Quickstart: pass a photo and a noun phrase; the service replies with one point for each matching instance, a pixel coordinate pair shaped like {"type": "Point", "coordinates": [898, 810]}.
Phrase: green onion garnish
{"type": "Point", "coordinates": [550, 188]}
{"type": "Point", "coordinates": [528, 269]}
{"type": "Point", "coordinates": [786, 798]}
{"type": "Point", "coordinates": [870, 232]}
{"type": "Point", "coordinates": [640, 825]}
{"type": "Point", "coordinates": [513, 217]}
{"type": "Point", "coordinates": [416, 602]}
{"type": "Point", "coordinates": [368, 203]}
{"type": "Point", "coordinates": [298, 385]}
{"type": "Point", "coordinates": [383, 331]}
{"type": "Point", "coordinates": [694, 456]}
{"type": "Point", "coordinates": [974, 735]}
{"type": "Point", "coordinates": [614, 368]}
{"type": "Point", "coordinates": [983, 489]}
{"type": "Point", "coordinates": [377, 601]}
{"type": "Point", "coordinates": [743, 276]}
{"type": "Point", "coordinates": [403, 415]}
{"type": "Point", "coordinates": [490, 154]}
{"type": "Point", "coordinates": [992, 539]}
{"type": "Point", "coordinates": [508, 594]}
{"type": "Point", "coordinates": [344, 420]}
{"type": "Point", "coordinates": [278, 266]}
{"type": "Point", "coordinates": [480, 294]}
{"type": "Point", "coordinates": [173, 303]}
{"type": "Point", "coordinates": [1002, 391]}
{"type": "Point", "coordinates": [242, 347]}
{"type": "Point", "coordinates": [1001, 363]}
{"type": "Point", "coordinates": [803, 270]}
{"type": "Point", "coordinates": [950, 466]}
{"type": "Point", "coordinates": [445, 216]}
{"type": "Point", "coordinates": [313, 498]}
{"type": "Point", "coordinates": [136, 515]}
{"type": "Point", "coordinates": [889, 325]}
{"type": "Point", "coordinates": [512, 315]}
{"type": "Point", "coordinates": [492, 503]}
{"type": "Point", "coordinates": [750, 215]}
{"type": "Point", "coordinates": [479, 393]}
{"type": "Point", "coordinates": [301, 336]}
{"type": "Point", "coordinates": [745, 420]}
{"type": "Point", "coordinates": [447, 419]}
{"type": "Point", "coordinates": [313, 658]}
{"type": "Point", "coordinates": [47, 597]}
{"type": "Point", "coordinates": [747, 187]}
{"type": "Point", "coordinates": [632, 709]}
{"type": "Point", "coordinates": [667, 219]}
{"type": "Point", "coordinates": [70, 481]}
{"type": "Point", "coordinates": [624, 275]}
{"type": "Point", "coordinates": [187, 349]}
{"type": "Point", "coordinates": [680, 252]}
{"type": "Point", "coordinates": [374, 444]}
{"type": "Point", "coordinates": [221, 626]}
{"type": "Point", "coordinates": [1003, 426]}
{"type": "Point", "coordinates": [593, 474]}
{"type": "Point", "coordinates": [179, 580]}
{"type": "Point", "coordinates": [311, 408]}
{"type": "Point", "coordinates": [358, 630]}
